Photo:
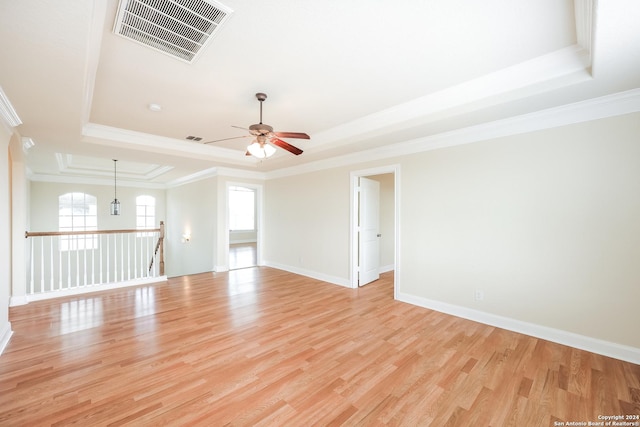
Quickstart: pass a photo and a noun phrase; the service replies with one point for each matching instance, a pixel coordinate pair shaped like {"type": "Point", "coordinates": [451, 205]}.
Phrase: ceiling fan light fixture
{"type": "Point", "coordinates": [261, 151]}
{"type": "Point", "coordinates": [263, 133]}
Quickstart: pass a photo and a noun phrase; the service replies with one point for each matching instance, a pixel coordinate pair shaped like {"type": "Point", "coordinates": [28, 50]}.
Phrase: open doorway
{"type": "Point", "coordinates": [374, 224]}
{"type": "Point", "coordinates": [243, 225]}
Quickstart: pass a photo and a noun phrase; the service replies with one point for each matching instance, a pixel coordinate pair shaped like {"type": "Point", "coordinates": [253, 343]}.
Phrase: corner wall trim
{"type": "Point", "coordinates": [5, 336]}
{"type": "Point", "coordinates": [312, 274]}
{"type": "Point", "coordinates": [18, 300]}
{"type": "Point", "coordinates": [582, 342]}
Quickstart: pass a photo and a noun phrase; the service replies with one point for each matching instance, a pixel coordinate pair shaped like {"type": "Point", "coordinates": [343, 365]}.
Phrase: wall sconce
{"type": "Point", "coordinates": [27, 143]}
{"type": "Point", "coordinates": [186, 237]}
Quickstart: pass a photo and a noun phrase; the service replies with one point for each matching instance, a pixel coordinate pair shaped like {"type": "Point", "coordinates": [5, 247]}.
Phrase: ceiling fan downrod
{"type": "Point", "coordinates": [261, 97]}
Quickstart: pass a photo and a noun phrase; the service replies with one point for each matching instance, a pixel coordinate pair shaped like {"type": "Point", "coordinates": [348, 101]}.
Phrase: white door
{"type": "Point", "coordinates": [368, 231]}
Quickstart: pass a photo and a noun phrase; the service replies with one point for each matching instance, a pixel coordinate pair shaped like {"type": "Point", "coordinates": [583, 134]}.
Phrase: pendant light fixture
{"type": "Point", "coordinates": [115, 205]}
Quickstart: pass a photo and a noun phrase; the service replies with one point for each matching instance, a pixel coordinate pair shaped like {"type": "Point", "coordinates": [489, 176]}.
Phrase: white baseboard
{"type": "Point", "coordinates": [19, 300]}
{"type": "Point", "coordinates": [386, 268]}
{"type": "Point", "coordinates": [5, 336]}
{"type": "Point", "coordinates": [309, 273]}
{"type": "Point", "coordinates": [220, 268]}
{"type": "Point", "coordinates": [90, 289]}
{"type": "Point", "coordinates": [594, 345]}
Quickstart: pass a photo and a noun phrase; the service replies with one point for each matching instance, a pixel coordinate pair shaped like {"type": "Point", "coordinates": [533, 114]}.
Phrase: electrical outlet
{"type": "Point", "coordinates": [479, 295]}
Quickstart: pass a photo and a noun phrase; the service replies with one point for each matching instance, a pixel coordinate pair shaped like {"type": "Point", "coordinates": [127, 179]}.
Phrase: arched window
{"type": "Point", "coordinates": [145, 212]}
{"type": "Point", "coordinates": [77, 212]}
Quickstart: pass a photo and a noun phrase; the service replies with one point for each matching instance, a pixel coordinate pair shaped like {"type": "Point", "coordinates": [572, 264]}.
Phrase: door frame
{"type": "Point", "coordinates": [353, 221]}
{"type": "Point", "coordinates": [259, 222]}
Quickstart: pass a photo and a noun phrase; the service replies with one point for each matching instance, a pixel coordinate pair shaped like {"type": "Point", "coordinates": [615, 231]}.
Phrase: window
{"type": "Point", "coordinates": [77, 212]}
{"type": "Point", "coordinates": [145, 212]}
{"type": "Point", "coordinates": [242, 202]}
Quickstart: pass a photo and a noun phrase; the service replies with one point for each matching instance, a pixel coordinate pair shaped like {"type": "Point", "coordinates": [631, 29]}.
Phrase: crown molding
{"type": "Point", "coordinates": [593, 109]}
{"type": "Point", "coordinates": [116, 137]}
{"type": "Point", "coordinates": [93, 181]}
{"type": "Point", "coordinates": [583, 111]}
{"type": "Point", "coordinates": [562, 68]}
{"type": "Point", "coordinates": [7, 112]}
{"type": "Point", "coordinates": [558, 69]}
{"type": "Point", "coordinates": [136, 183]}
{"type": "Point", "coordinates": [93, 47]}
{"type": "Point", "coordinates": [68, 166]}
{"type": "Point", "coordinates": [215, 172]}
{"type": "Point", "coordinates": [585, 11]}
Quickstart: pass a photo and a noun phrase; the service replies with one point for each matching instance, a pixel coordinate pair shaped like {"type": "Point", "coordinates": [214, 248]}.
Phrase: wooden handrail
{"type": "Point", "coordinates": [159, 244]}
{"type": "Point", "coordinates": [80, 233]}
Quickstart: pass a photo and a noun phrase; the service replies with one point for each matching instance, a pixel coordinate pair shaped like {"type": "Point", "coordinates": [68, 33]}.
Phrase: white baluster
{"type": "Point", "coordinates": [60, 239]}
{"type": "Point", "coordinates": [52, 278]}
{"type": "Point", "coordinates": [108, 256]}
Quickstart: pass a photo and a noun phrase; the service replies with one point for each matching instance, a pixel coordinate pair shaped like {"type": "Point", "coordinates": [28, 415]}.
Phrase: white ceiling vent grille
{"type": "Point", "coordinates": [180, 28]}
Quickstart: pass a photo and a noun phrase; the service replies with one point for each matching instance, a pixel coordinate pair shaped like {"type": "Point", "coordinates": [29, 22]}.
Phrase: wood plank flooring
{"type": "Point", "coordinates": [242, 255]}
{"type": "Point", "coordinates": [262, 347]}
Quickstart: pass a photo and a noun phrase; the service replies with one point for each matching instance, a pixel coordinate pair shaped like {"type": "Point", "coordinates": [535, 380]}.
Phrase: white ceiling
{"type": "Point", "coordinates": [359, 76]}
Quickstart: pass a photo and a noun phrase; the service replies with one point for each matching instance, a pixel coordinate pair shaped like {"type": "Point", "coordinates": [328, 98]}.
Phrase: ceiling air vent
{"type": "Point", "coordinates": [180, 28]}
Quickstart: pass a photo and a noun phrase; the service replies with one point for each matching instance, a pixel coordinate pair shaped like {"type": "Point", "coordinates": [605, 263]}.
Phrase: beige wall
{"type": "Point", "coordinates": [307, 223]}
{"type": "Point", "coordinates": [44, 204]}
{"type": "Point", "coordinates": [545, 224]}
{"type": "Point", "coordinates": [203, 212]}
{"type": "Point", "coordinates": [197, 214]}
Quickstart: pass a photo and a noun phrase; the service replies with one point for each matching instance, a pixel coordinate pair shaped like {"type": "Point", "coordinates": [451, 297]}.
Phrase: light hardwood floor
{"type": "Point", "coordinates": [242, 255]}
{"type": "Point", "coordinates": [261, 346]}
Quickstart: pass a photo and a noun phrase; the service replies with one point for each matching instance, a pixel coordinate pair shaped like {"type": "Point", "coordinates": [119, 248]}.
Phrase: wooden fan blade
{"type": "Point", "coordinates": [290, 148]}
{"type": "Point", "coordinates": [227, 139]}
{"type": "Point", "coordinates": [298, 135]}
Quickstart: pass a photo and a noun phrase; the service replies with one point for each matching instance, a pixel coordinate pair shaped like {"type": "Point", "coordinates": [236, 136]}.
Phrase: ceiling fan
{"type": "Point", "coordinates": [265, 136]}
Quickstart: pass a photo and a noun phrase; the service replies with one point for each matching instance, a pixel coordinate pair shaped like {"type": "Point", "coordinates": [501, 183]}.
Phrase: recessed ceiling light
{"type": "Point", "coordinates": [155, 107]}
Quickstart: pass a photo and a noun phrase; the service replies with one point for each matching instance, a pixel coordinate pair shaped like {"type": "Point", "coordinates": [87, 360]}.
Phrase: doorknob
{"type": "Point", "coordinates": [378, 235]}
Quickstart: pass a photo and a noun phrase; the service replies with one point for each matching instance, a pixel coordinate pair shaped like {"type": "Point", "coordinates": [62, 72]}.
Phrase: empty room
{"type": "Point", "coordinates": [413, 213]}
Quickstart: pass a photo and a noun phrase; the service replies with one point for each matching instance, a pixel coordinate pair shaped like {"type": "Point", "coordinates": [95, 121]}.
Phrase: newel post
{"type": "Point", "coordinates": [162, 248]}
